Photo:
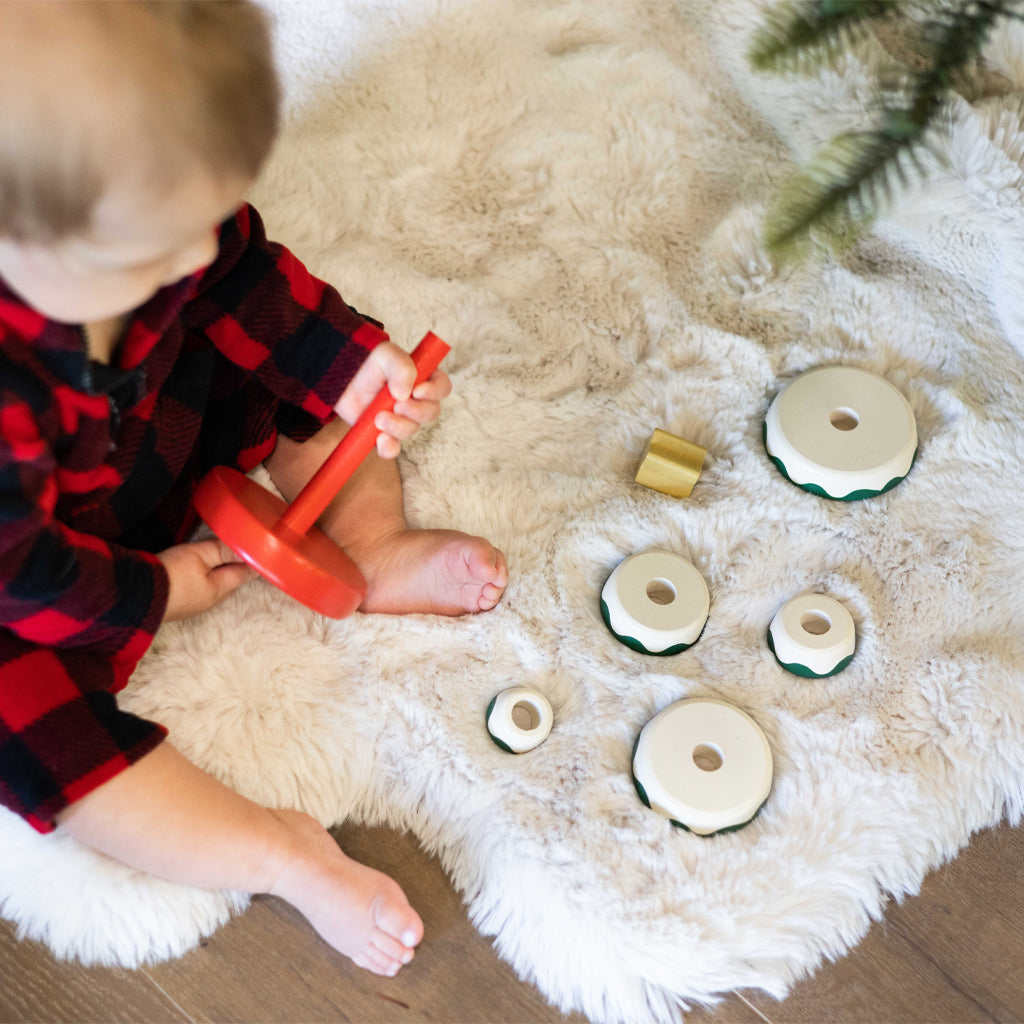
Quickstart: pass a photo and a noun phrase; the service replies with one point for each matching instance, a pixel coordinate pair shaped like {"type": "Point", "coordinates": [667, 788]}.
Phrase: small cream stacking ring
{"type": "Point", "coordinates": [813, 635]}
{"type": "Point", "coordinates": [519, 719]}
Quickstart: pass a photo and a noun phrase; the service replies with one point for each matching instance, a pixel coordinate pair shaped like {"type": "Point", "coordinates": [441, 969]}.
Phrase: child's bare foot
{"type": "Point", "coordinates": [359, 911]}
{"type": "Point", "coordinates": [436, 571]}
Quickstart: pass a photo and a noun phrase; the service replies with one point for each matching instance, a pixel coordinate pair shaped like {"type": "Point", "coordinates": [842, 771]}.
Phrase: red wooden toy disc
{"type": "Point", "coordinates": [309, 567]}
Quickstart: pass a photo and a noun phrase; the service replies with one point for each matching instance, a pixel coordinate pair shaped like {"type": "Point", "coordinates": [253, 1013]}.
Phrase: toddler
{"type": "Point", "coordinates": [148, 332]}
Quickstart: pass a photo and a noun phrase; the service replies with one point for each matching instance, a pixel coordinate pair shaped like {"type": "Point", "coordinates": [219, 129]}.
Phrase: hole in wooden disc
{"type": "Point", "coordinates": [707, 758]}
{"type": "Point", "coordinates": [815, 623]}
{"type": "Point", "coordinates": [844, 419]}
{"type": "Point", "coordinates": [525, 716]}
{"type": "Point", "coordinates": [660, 591]}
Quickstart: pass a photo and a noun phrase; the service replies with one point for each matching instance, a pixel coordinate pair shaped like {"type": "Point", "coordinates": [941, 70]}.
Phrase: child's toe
{"type": "Point", "coordinates": [377, 963]}
{"type": "Point", "coordinates": [390, 947]}
{"type": "Point", "coordinates": [397, 922]}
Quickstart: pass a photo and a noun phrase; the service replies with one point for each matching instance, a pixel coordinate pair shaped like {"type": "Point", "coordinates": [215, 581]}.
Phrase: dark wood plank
{"type": "Point", "coordinates": [36, 987]}
{"type": "Point", "coordinates": [951, 953]}
{"type": "Point", "coordinates": [969, 922]}
{"type": "Point", "coordinates": [884, 979]}
{"type": "Point", "coordinates": [270, 966]}
{"type": "Point", "coordinates": [491, 989]}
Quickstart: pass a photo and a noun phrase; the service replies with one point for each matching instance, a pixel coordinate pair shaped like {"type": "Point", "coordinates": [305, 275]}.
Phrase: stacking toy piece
{"type": "Point", "coordinates": [670, 464]}
{"type": "Point", "coordinates": [519, 719]}
{"type": "Point", "coordinates": [704, 764]}
{"type": "Point", "coordinates": [841, 432]}
{"type": "Point", "coordinates": [655, 602]}
{"type": "Point", "coordinates": [280, 541]}
{"type": "Point", "coordinates": [813, 635]}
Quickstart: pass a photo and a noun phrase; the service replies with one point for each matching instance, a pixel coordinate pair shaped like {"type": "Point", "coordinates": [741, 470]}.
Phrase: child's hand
{"type": "Point", "coordinates": [414, 408]}
{"type": "Point", "coordinates": [202, 575]}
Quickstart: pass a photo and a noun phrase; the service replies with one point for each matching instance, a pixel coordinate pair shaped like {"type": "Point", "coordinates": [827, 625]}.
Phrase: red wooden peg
{"type": "Point", "coordinates": [281, 541]}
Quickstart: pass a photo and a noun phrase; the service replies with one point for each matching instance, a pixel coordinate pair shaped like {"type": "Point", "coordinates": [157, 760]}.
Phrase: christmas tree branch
{"type": "Point", "coordinates": [841, 190]}
{"type": "Point", "coordinates": [799, 35]}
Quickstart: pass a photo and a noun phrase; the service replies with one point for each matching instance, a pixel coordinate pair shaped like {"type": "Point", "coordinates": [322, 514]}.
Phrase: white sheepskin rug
{"type": "Point", "coordinates": [570, 194]}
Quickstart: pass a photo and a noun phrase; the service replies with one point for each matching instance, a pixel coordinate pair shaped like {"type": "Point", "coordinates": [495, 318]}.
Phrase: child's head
{"type": "Point", "coordinates": [131, 129]}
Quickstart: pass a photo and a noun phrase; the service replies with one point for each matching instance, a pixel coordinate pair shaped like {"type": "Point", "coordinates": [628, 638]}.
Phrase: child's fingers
{"type": "Point", "coordinates": [398, 369]}
{"type": "Point", "coordinates": [226, 572]}
{"type": "Point", "coordinates": [390, 367]}
{"type": "Point", "coordinates": [435, 388]}
{"type": "Point", "coordinates": [213, 553]}
{"type": "Point", "coordinates": [419, 412]}
{"type": "Point", "coordinates": [396, 427]}
{"type": "Point", "coordinates": [209, 553]}
{"type": "Point", "coordinates": [387, 446]}
{"type": "Point", "coordinates": [200, 574]}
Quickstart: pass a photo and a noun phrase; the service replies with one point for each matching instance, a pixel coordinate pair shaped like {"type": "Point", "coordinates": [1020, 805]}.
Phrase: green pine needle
{"type": "Point", "coordinates": [801, 35]}
{"type": "Point", "coordinates": [837, 195]}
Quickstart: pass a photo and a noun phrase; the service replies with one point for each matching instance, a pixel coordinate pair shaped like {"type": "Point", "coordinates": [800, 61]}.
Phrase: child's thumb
{"type": "Point", "coordinates": [230, 576]}
{"type": "Point", "coordinates": [225, 556]}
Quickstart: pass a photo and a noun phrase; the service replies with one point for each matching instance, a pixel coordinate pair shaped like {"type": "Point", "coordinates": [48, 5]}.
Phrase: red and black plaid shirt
{"type": "Point", "coordinates": [97, 466]}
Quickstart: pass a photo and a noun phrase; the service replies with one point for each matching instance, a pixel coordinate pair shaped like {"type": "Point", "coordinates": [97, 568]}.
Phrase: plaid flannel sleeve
{"type": "Point", "coordinates": [61, 731]}
{"type": "Point", "coordinates": [77, 613]}
{"type": "Point", "coordinates": [266, 313]}
{"type": "Point", "coordinates": [60, 587]}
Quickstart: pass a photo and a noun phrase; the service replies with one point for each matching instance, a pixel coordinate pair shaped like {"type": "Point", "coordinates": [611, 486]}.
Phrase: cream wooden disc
{"type": "Point", "coordinates": [656, 602]}
{"type": "Point", "coordinates": [813, 635]}
{"type": "Point", "coordinates": [519, 719]}
{"type": "Point", "coordinates": [842, 432]}
{"type": "Point", "coordinates": [705, 764]}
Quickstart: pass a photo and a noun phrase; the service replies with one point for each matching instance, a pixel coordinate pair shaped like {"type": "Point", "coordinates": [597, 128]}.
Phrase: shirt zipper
{"type": "Point", "coordinates": [89, 382]}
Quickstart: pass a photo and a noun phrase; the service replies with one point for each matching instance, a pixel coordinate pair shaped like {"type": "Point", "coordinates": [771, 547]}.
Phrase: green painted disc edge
{"type": "Point", "coordinates": [642, 793]}
{"type": "Point", "coordinates": [487, 722]}
{"type": "Point", "coordinates": [820, 491]}
{"type": "Point", "coordinates": [636, 645]}
{"type": "Point", "coordinates": [796, 669]}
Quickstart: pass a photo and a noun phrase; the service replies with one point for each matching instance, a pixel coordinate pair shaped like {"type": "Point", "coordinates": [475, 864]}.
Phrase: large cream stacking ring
{"type": "Point", "coordinates": [704, 764]}
{"type": "Point", "coordinates": [519, 719]}
{"type": "Point", "coordinates": [841, 433]}
{"type": "Point", "coordinates": [655, 602]}
{"type": "Point", "coordinates": [670, 464]}
{"type": "Point", "coordinates": [813, 635]}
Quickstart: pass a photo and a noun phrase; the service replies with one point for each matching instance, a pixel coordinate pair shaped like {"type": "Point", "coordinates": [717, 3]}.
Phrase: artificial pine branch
{"type": "Point", "coordinates": [834, 195]}
{"type": "Point", "coordinates": [840, 191]}
{"type": "Point", "coordinates": [801, 35]}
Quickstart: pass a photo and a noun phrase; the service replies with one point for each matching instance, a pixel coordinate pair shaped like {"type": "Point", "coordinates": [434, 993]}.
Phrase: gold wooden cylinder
{"type": "Point", "coordinates": [670, 464]}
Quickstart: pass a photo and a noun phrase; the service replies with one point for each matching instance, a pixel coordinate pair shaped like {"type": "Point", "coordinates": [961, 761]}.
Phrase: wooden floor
{"type": "Point", "coordinates": [955, 953]}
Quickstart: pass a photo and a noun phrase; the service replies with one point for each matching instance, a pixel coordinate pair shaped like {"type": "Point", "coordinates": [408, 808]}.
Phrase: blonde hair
{"type": "Point", "coordinates": [94, 91]}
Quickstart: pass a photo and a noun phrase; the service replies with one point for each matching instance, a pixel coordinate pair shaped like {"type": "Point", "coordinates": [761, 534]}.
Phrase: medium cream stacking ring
{"type": "Point", "coordinates": [704, 764]}
{"type": "Point", "coordinates": [841, 432]}
{"type": "Point", "coordinates": [519, 719]}
{"type": "Point", "coordinates": [655, 602]}
{"type": "Point", "coordinates": [813, 635]}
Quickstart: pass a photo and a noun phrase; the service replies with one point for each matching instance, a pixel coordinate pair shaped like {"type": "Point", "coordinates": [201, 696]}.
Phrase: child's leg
{"type": "Point", "coordinates": [406, 570]}
{"type": "Point", "coordinates": [166, 816]}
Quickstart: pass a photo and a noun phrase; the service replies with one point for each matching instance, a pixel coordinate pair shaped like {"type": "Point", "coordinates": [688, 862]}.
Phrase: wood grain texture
{"type": "Point", "coordinates": [34, 987]}
{"type": "Point", "coordinates": [952, 954]}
